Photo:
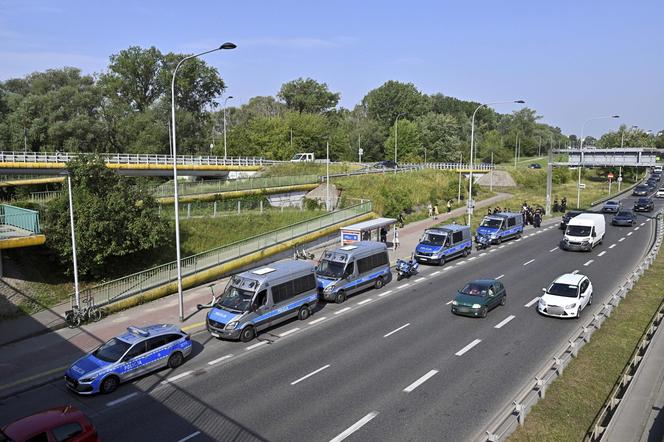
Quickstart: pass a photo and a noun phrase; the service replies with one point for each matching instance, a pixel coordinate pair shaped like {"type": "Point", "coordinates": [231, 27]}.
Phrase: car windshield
{"type": "Point", "coordinates": [641, 187]}
{"type": "Point", "coordinates": [578, 230]}
{"type": "Point", "coordinates": [624, 214]}
{"type": "Point", "coordinates": [111, 351]}
{"type": "Point", "coordinates": [433, 239]}
{"type": "Point", "coordinates": [235, 299]}
{"type": "Point", "coordinates": [296, 156]}
{"type": "Point", "coordinates": [330, 269]}
{"type": "Point", "coordinates": [611, 203]}
{"type": "Point", "coordinates": [492, 223]}
{"type": "Point", "coordinates": [643, 201]}
{"type": "Point", "coordinates": [566, 290]}
{"type": "Point", "coordinates": [474, 289]}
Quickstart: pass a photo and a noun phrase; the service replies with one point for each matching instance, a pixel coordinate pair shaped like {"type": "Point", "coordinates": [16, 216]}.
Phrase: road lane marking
{"type": "Point", "coordinates": [385, 293]}
{"type": "Point", "coordinates": [636, 228]}
{"type": "Point", "coordinates": [528, 262]}
{"type": "Point", "coordinates": [316, 321]}
{"type": "Point", "coordinates": [500, 276]}
{"type": "Point", "coordinates": [474, 257]}
{"type": "Point", "coordinates": [288, 332]}
{"type": "Point", "coordinates": [587, 263]}
{"type": "Point", "coordinates": [342, 311]}
{"type": "Point", "coordinates": [396, 330]}
{"type": "Point", "coordinates": [446, 268]}
{"type": "Point", "coordinates": [461, 263]}
{"type": "Point", "coordinates": [532, 302]}
{"type": "Point", "coordinates": [403, 286]}
{"type": "Point", "coordinates": [223, 358]}
{"type": "Point", "coordinates": [642, 224]}
{"type": "Point", "coordinates": [122, 399]}
{"type": "Point", "coordinates": [575, 272]}
{"type": "Point", "coordinates": [420, 279]}
{"type": "Point", "coordinates": [612, 246]}
{"type": "Point", "coordinates": [468, 347]}
{"type": "Point", "coordinates": [621, 239]}
{"type": "Point", "coordinates": [251, 347]}
{"type": "Point", "coordinates": [175, 378]}
{"type": "Point", "coordinates": [365, 301]}
{"type": "Point", "coordinates": [504, 321]}
{"type": "Point", "coordinates": [602, 253]}
{"type": "Point", "coordinates": [629, 233]}
{"type": "Point", "coordinates": [448, 303]}
{"type": "Point", "coordinates": [435, 273]}
{"type": "Point", "coordinates": [191, 436]}
{"type": "Point", "coordinates": [356, 426]}
{"type": "Point", "coordinates": [500, 247]}
{"type": "Point", "coordinates": [482, 254]}
{"type": "Point", "coordinates": [191, 326]}
{"type": "Point", "coordinates": [310, 374]}
{"type": "Point", "coordinates": [492, 250]}
{"type": "Point", "coordinates": [554, 249]}
{"type": "Point", "coordinates": [420, 381]}
{"type": "Point", "coordinates": [528, 236]}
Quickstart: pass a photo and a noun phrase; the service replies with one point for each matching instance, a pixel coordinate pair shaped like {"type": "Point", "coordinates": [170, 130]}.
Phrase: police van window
{"type": "Point", "coordinates": [136, 350]}
{"type": "Point", "coordinates": [350, 269]}
{"type": "Point", "coordinates": [371, 262]}
{"type": "Point", "coordinates": [281, 292]}
{"type": "Point", "coordinates": [364, 264]}
{"type": "Point", "coordinates": [304, 284]}
{"type": "Point", "coordinates": [261, 298]}
{"type": "Point", "coordinates": [511, 222]}
{"type": "Point", "coordinates": [457, 237]}
{"type": "Point", "coordinates": [289, 289]}
{"type": "Point", "coordinates": [67, 432]}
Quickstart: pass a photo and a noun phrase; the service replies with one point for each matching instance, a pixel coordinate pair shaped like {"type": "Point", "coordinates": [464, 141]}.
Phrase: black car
{"type": "Point", "coordinates": [644, 205]}
{"type": "Point", "coordinates": [535, 166]}
{"type": "Point", "coordinates": [655, 177]}
{"type": "Point", "coordinates": [568, 216]}
{"type": "Point", "coordinates": [624, 218]}
{"type": "Point", "coordinates": [387, 164]}
{"type": "Point", "coordinates": [641, 190]}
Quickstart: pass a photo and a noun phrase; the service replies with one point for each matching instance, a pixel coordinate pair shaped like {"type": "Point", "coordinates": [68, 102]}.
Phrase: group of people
{"type": "Point", "coordinates": [433, 209]}
{"type": "Point", "coordinates": [532, 216]}
{"type": "Point", "coordinates": [562, 207]}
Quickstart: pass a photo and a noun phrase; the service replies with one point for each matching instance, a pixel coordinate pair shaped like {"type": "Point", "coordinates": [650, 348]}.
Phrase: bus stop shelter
{"type": "Point", "coordinates": [366, 230]}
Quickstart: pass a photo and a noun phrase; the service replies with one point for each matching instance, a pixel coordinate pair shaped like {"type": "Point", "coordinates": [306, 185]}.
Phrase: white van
{"type": "Point", "coordinates": [584, 232]}
{"type": "Point", "coordinates": [305, 157]}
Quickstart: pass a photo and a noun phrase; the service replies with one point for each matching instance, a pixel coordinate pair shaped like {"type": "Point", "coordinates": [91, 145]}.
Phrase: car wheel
{"type": "Point", "coordinates": [304, 313]}
{"type": "Point", "coordinates": [578, 312]}
{"type": "Point", "coordinates": [341, 296]}
{"type": "Point", "coordinates": [175, 360]}
{"type": "Point", "coordinates": [483, 312]}
{"type": "Point", "coordinates": [441, 261]}
{"type": "Point", "coordinates": [109, 384]}
{"type": "Point", "coordinates": [590, 300]}
{"type": "Point", "coordinates": [466, 252]}
{"type": "Point", "coordinates": [379, 283]}
{"type": "Point", "coordinates": [503, 300]}
{"type": "Point", "coordinates": [499, 240]}
{"type": "Point", "coordinates": [248, 333]}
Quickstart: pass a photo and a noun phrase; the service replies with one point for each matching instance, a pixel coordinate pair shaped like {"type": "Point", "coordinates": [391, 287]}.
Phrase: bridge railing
{"type": "Point", "coordinates": [450, 166]}
{"type": "Point", "coordinates": [220, 186]}
{"type": "Point", "coordinates": [137, 283]}
{"type": "Point", "coordinates": [20, 218]}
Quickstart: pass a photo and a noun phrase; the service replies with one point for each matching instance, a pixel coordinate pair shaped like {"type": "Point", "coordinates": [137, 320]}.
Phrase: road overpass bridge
{"type": "Point", "coordinates": [625, 157]}
{"type": "Point", "coordinates": [55, 163]}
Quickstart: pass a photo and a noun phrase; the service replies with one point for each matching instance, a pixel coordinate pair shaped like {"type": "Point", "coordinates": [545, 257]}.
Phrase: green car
{"type": "Point", "coordinates": [478, 297]}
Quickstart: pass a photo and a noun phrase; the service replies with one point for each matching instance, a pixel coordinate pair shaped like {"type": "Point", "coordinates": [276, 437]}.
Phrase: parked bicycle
{"type": "Point", "coordinates": [302, 254]}
{"type": "Point", "coordinates": [77, 315]}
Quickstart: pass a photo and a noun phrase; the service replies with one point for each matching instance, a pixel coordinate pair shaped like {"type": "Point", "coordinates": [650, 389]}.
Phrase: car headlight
{"type": "Point", "coordinates": [568, 306]}
{"type": "Point", "coordinates": [542, 302]}
{"type": "Point", "coordinates": [435, 255]}
{"type": "Point", "coordinates": [328, 289]}
{"type": "Point", "coordinates": [476, 306]}
{"type": "Point", "coordinates": [231, 325]}
{"type": "Point", "coordinates": [88, 379]}
{"type": "Point", "coordinates": [455, 302]}
{"type": "Point", "coordinates": [494, 235]}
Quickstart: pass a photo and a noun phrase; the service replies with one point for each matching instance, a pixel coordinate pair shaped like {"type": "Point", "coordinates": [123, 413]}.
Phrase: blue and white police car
{"type": "Point", "coordinates": [132, 354]}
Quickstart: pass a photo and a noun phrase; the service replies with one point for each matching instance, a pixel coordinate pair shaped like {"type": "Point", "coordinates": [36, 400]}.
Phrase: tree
{"type": "Point", "coordinates": [307, 95]}
{"type": "Point", "coordinates": [439, 136]}
{"type": "Point", "coordinates": [408, 142]}
{"type": "Point", "coordinates": [384, 103]}
{"type": "Point", "coordinates": [115, 219]}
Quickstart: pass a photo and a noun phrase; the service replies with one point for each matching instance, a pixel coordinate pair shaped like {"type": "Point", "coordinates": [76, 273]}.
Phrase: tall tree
{"type": "Point", "coordinates": [308, 95]}
{"type": "Point", "coordinates": [384, 103]}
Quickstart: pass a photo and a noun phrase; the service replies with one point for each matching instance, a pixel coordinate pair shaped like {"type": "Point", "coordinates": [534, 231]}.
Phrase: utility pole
{"type": "Point", "coordinates": [549, 182]}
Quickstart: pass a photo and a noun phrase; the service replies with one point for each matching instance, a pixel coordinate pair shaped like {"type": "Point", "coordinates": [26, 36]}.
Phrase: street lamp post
{"type": "Point", "coordinates": [472, 146]}
{"type": "Point", "coordinates": [583, 128]}
{"type": "Point", "coordinates": [396, 135]}
{"type": "Point", "coordinates": [227, 98]}
{"type": "Point", "coordinates": [175, 172]}
{"type": "Point", "coordinates": [77, 293]}
{"type": "Point", "coordinates": [460, 168]}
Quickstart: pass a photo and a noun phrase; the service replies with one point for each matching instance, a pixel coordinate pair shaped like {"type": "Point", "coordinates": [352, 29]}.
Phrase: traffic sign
{"type": "Point", "coordinates": [582, 185]}
{"type": "Point", "coordinates": [619, 179]}
{"type": "Point", "coordinates": [609, 175]}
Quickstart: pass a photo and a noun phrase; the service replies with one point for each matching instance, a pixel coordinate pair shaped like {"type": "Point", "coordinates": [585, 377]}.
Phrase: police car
{"type": "Point", "coordinates": [132, 354]}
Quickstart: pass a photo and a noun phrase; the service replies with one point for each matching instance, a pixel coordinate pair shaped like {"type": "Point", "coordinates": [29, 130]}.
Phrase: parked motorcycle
{"type": "Point", "coordinates": [483, 241]}
{"type": "Point", "coordinates": [406, 269]}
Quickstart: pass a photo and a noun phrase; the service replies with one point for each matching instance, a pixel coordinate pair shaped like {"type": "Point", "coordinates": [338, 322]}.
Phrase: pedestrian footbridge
{"type": "Point", "coordinates": [19, 227]}
{"type": "Point", "coordinates": [625, 157]}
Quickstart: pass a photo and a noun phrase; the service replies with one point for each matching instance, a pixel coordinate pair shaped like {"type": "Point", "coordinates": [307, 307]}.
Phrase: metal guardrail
{"type": "Point", "coordinates": [126, 158]}
{"type": "Point", "coordinates": [20, 218]}
{"type": "Point", "coordinates": [136, 283]}
{"type": "Point", "coordinates": [512, 416]}
{"type": "Point", "coordinates": [606, 198]}
{"type": "Point", "coordinates": [451, 166]}
{"type": "Point", "coordinates": [220, 186]}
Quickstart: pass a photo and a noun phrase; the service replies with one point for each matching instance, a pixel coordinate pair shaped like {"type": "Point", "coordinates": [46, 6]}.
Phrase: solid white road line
{"type": "Point", "coordinates": [251, 347]}
{"type": "Point", "coordinates": [175, 378]}
{"type": "Point", "coordinates": [621, 239]}
{"type": "Point", "coordinates": [122, 399]}
{"type": "Point", "coordinates": [504, 321]}
{"type": "Point", "coordinates": [356, 426]}
{"type": "Point", "coordinates": [575, 272]}
{"type": "Point", "coordinates": [449, 302]}
{"type": "Point", "coordinates": [191, 436]}
{"type": "Point", "coordinates": [310, 374]}
{"type": "Point", "coordinates": [365, 301]}
{"type": "Point", "coordinates": [435, 273]}
{"type": "Point", "coordinates": [629, 233]}
{"type": "Point", "coordinates": [554, 249]}
{"type": "Point", "coordinates": [500, 276]}
{"type": "Point", "coordinates": [420, 381]}
{"type": "Point", "coordinates": [403, 286]}
{"type": "Point", "coordinates": [532, 302]}
{"type": "Point", "coordinates": [342, 311]}
{"type": "Point", "coordinates": [528, 262]}
{"type": "Point", "coordinates": [223, 358]}
{"type": "Point", "coordinates": [385, 293]}
{"type": "Point", "coordinates": [288, 332]}
{"type": "Point", "coordinates": [468, 347]}
{"type": "Point", "coordinates": [316, 321]}
{"type": "Point", "coordinates": [602, 253]}
{"type": "Point", "coordinates": [394, 331]}
{"type": "Point", "coordinates": [612, 246]}
{"type": "Point", "coordinates": [587, 263]}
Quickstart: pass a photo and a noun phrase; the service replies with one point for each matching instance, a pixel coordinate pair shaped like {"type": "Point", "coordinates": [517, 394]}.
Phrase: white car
{"type": "Point", "coordinates": [660, 193]}
{"type": "Point", "coordinates": [567, 295]}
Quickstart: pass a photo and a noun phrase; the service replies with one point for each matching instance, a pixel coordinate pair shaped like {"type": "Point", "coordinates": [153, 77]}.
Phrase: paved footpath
{"type": "Point", "coordinates": [29, 359]}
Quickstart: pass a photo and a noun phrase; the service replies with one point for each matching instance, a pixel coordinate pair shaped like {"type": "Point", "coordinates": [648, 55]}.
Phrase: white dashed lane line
{"type": "Point", "coordinates": [449, 302]}
{"type": "Point", "coordinates": [396, 330]}
{"type": "Point", "coordinates": [499, 276]}
{"type": "Point", "coordinates": [474, 257]}
{"type": "Point", "coordinates": [612, 246]}
{"type": "Point", "coordinates": [356, 426]}
{"type": "Point", "coordinates": [629, 233]}
{"type": "Point", "coordinates": [191, 436]}
{"type": "Point", "coordinates": [420, 381]}
{"type": "Point", "coordinates": [316, 321]}
{"type": "Point", "coordinates": [122, 399]}
{"type": "Point", "coordinates": [602, 253]}
{"type": "Point", "coordinates": [482, 254]}
{"type": "Point", "coordinates": [223, 358]}
{"type": "Point", "coordinates": [181, 375]}
{"type": "Point", "coordinates": [642, 224]}
{"type": "Point", "coordinates": [365, 301]}
{"type": "Point", "coordinates": [467, 347]}
{"type": "Point", "coordinates": [500, 247]}
{"type": "Point", "coordinates": [420, 279]}
{"type": "Point", "coordinates": [492, 250]}
{"type": "Point", "coordinates": [528, 262]}
{"type": "Point", "coordinates": [587, 263]}
{"type": "Point", "coordinates": [575, 272]}
{"type": "Point", "coordinates": [288, 332]}
{"type": "Point", "coordinates": [389, 292]}
{"type": "Point", "coordinates": [636, 228]}
{"type": "Point", "coordinates": [310, 374]}
{"type": "Point", "coordinates": [403, 286]}
{"type": "Point", "coordinates": [621, 239]}
{"type": "Point", "coordinates": [504, 321]}
{"type": "Point", "coordinates": [251, 347]}
{"type": "Point", "coordinates": [531, 302]}
{"type": "Point", "coordinates": [343, 310]}
{"type": "Point", "coordinates": [435, 273]}
{"type": "Point", "coordinates": [554, 249]}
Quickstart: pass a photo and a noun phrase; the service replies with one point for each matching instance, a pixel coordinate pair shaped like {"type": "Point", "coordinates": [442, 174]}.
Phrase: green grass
{"type": "Point", "coordinates": [573, 401]}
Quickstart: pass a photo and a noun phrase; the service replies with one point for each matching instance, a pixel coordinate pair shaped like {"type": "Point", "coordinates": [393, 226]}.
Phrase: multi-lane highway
{"type": "Point", "coordinates": [389, 364]}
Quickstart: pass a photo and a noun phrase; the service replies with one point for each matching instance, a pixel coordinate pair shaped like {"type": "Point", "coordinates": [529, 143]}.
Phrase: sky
{"type": "Point", "coordinates": [570, 60]}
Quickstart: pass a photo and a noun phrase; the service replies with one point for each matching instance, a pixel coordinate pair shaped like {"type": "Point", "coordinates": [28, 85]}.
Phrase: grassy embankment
{"type": "Point", "coordinates": [574, 399]}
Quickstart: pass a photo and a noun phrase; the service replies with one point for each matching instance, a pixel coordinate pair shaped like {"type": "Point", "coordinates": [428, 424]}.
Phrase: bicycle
{"type": "Point", "coordinates": [302, 254]}
{"type": "Point", "coordinates": [77, 315]}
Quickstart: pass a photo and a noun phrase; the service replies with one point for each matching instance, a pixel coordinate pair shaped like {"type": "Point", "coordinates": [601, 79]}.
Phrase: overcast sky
{"type": "Point", "coordinates": [570, 60]}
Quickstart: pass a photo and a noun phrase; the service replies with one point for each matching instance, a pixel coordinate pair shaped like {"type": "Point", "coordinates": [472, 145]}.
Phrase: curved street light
{"type": "Point", "coordinates": [226, 45]}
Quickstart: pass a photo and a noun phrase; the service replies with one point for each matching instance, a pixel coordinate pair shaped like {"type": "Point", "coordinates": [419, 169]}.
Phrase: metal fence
{"type": "Point", "coordinates": [451, 166]}
{"type": "Point", "coordinates": [48, 195]}
{"type": "Point", "coordinates": [220, 186]}
{"type": "Point", "coordinates": [135, 284]}
{"type": "Point", "coordinates": [20, 218]}
{"type": "Point", "coordinates": [213, 209]}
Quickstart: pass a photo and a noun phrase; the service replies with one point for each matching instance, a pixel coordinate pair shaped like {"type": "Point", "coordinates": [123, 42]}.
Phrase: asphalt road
{"type": "Point", "coordinates": [389, 364]}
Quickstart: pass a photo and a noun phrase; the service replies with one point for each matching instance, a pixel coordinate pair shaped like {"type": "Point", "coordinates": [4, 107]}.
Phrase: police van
{"type": "Point", "coordinates": [501, 226]}
{"type": "Point", "coordinates": [349, 269]}
{"type": "Point", "coordinates": [257, 299]}
{"type": "Point", "coordinates": [440, 244]}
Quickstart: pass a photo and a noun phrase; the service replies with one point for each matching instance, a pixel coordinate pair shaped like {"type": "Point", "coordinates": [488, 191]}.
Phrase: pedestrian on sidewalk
{"type": "Point", "coordinates": [435, 211]}
{"type": "Point", "coordinates": [383, 234]}
{"type": "Point", "coordinates": [449, 206]}
{"type": "Point", "coordinates": [430, 210]}
{"type": "Point", "coordinates": [400, 220]}
{"type": "Point", "coordinates": [395, 240]}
